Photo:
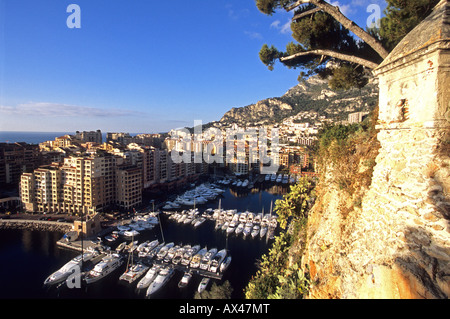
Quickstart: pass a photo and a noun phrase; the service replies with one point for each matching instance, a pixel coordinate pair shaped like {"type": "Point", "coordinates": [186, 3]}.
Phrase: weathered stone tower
{"type": "Point", "coordinates": [397, 245]}
{"type": "Point", "coordinates": [411, 181]}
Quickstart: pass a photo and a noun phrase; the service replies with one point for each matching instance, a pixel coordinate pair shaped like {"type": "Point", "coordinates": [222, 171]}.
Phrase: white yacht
{"type": "Point", "coordinates": [189, 253]}
{"type": "Point", "coordinates": [195, 262]}
{"type": "Point", "coordinates": [239, 228]}
{"type": "Point", "coordinates": [225, 264]}
{"type": "Point", "coordinates": [149, 277]}
{"type": "Point", "coordinates": [104, 268]}
{"type": "Point", "coordinates": [231, 227]}
{"type": "Point", "coordinates": [243, 217]}
{"type": "Point", "coordinates": [155, 251]}
{"type": "Point", "coordinates": [255, 230]}
{"type": "Point", "coordinates": [217, 260]}
{"type": "Point", "coordinates": [203, 284]}
{"type": "Point", "coordinates": [163, 251]}
{"type": "Point", "coordinates": [199, 221]}
{"type": "Point", "coordinates": [161, 279]}
{"type": "Point", "coordinates": [171, 253]}
{"type": "Point", "coordinates": [206, 260]}
{"type": "Point", "coordinates": [134, 272]}
{"type": "Point", "coordinates": [263, 231]}
{"type": "Point", "coordinates": [179, 254]}
{"type": "Point", "coordinates": [131, 233]}
{"type": "Point", "coordinates": [185, 280]}
{"type": "Point", "coordinates": [64, 272]}
{"type": "Point", "coordinates": [247, 229]}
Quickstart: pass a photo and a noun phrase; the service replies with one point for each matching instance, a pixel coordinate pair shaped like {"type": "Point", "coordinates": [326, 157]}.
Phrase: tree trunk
{"type": "Point", "coordinates": [346, 23]}
{"type": "Point", "coordinates": [334, 54]}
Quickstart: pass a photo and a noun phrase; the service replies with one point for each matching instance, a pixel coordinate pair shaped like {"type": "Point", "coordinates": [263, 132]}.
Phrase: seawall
{"type": "Point", "coordinates": [38, 225]}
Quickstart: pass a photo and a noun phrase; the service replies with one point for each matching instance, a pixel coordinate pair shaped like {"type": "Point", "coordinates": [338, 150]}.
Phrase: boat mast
{"type": "Point", "coordinates": [159, 219]}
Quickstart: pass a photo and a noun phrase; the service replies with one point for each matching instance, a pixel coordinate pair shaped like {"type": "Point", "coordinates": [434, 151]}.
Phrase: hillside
{"type": "Point", "coordinates": [313, 95]}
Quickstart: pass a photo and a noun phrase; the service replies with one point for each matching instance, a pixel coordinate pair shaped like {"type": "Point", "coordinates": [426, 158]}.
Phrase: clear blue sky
{"type": "Point", "coordinates": [138, 65]}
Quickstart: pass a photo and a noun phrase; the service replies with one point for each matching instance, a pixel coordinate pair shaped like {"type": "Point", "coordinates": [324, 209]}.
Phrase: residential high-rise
{"type": "Point", "coordinates": [15, 159]}
{"type": "Point", "coordinates": [81, 185]}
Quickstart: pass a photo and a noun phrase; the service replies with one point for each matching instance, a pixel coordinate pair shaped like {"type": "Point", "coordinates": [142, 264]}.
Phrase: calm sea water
{"type": "Point", "coordinates": [28, 257]}
{"type": "Point", "coordinates": [37, 137]}
{"type": "Point", "coordinates": [29, 137]}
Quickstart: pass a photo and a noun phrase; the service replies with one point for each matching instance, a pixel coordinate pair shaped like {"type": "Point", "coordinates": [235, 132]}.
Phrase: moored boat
{"type": "Point", "coordinates": [195, 262]}
{"type": "Point", "coordinates": [185, 279]}
{"type": "Point", "coordinates": [108, 264]}
{"type": "Point", "coordinates": [206, 260]}
{"type": "Point", "coordinates": [64, 272]}
{"type": "Point", "coordinates": [225, 264]}
{"type": "Point", "coordinates": [164, 275]}
{"type": "Point", "coordinates": [149, 277]}
{"type": "Point", "coordinates": [203, 284]}
{"type": "Point", "coordinates": [133, 273]}
{"type": "Point", "coordinates": [217, 260]}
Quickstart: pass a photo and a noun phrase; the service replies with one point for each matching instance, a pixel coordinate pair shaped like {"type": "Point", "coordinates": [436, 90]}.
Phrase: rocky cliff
{"type": "Point", "coordinates": [392, 239]}
{"type": "Point", "coordinates": [312, 95]}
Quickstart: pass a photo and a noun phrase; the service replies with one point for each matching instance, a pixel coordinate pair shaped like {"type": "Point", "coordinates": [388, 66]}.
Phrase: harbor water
{"type": "Point", "coordinates": [29, 257]}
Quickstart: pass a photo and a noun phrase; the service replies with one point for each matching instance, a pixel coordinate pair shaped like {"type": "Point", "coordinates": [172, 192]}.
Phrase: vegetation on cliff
{"type": "Point", "coordinates": [280, 276]}
{"type": "Point", "coordinates": [346, 153]}
{"type": "Point", "coordinates": [346, 157]}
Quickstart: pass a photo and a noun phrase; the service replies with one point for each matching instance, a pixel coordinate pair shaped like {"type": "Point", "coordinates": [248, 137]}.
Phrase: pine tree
{"type": "Point", "coordinates": [323, 34]}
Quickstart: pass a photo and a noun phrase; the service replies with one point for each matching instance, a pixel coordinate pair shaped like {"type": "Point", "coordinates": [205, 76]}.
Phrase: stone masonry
{"type": "Point", "coordinates": [398, 243]}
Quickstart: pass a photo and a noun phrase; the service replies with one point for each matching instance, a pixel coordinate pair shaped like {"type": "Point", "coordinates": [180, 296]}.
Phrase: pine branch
{"type": "Point", "coordinates": [333, 54]}
{"type": "Point", "coordinates": [342, 19]}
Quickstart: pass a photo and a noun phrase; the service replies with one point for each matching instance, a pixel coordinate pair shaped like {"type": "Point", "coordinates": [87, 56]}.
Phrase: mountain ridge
{"type": "Point", "coordinates": [312, 95]}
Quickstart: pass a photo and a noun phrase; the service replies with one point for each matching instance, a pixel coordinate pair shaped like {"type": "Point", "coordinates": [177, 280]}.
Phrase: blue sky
{"type": "Point", "coordinates": [138, 65]}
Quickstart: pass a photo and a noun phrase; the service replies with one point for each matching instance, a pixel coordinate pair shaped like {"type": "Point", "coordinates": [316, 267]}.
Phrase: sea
{"type": "Point", "coordinates": [28, 257]}
{"type": "Point", "coordinates": [32, 137]}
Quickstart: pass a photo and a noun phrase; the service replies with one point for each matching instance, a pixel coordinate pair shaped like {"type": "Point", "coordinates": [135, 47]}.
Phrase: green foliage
{"type": "Point", "coordinates": [293, 284]}
{"type": "Point", "coordinates": [269, 6]}
{"type": "Point", "coordinates": [276, 278]}
{"type": "Point", "coordinates": [401, 16]}
{"type": "Point", "coordinates": [320, 31]}
{"type": "Point", "coordinates": [346, 77]}
{"type": "Point", "coordinates": [216, 292]}
{"type": "Point", "coordinates": [336, 133]}
{"type": "Point", "coordinates": [350, 151]}
{"type": "Point", "coordinates": [268, 55]}
{"type": "Point", "coordinates": [294, 204]}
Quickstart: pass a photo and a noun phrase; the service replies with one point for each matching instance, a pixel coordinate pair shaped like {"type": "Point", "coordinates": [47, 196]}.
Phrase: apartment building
{"type": "Point", "coordinates": [80, 185]}
{"type": "Point", "coordinates": [15, 159]}
{"type": "Point", "coordinates": [89, 136]}
{"type": "Point", "coordinates": [128, 186]}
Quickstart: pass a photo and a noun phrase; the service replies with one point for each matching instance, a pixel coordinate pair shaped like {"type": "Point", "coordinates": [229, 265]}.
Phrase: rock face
{"type": "Point", "coordinates": [253, 113]}
{"type": "Point", "coordinates": [397, 244]}
{"type": "Point", "coordinates": [311, 95]}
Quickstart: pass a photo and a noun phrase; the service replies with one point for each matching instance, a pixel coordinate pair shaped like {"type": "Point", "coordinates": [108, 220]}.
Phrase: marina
{"type": "Point", "coordinates": [237, 266]}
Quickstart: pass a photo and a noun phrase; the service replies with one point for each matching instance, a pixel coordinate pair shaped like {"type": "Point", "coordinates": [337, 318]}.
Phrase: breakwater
{"type": "Point", "coordinates": [38, 225]}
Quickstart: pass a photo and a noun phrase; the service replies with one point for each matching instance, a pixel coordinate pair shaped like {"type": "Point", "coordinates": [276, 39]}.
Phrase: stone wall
{"type": "Point", "coordinates": [397, 245]}
{"type": "Point", "coordinates": [35, 225]}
